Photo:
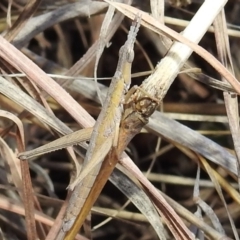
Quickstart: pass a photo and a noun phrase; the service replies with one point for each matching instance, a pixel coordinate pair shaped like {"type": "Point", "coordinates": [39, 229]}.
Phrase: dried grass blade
{"type": "Point", "coordinates": [154, 25]}
{"type": "Point", "coordinates": [21, 98]}
{"type": "Point", "coordinates": [186, 214]}
{"type": "Point", "coordinates": [78, 67]}
{"type": "Point", "coordinates": [25, 15]}
{"type": "Point", "coordinates": [198, 233]}
{"type": "Point", "coordinates": [102, 42]}
{"type": "Point", "coordinates": [231, 100]}
{"type": "Point", "coordinates": [63, 13]}
{"type": "Point", "coordinates": [205, 207]}
{"type": "Point", "coordinates": [16, 173]}
{"type": "Point", "coordinates": [20, 61]}
{"type": "Point", "coordinates": [211, 174]}
{"type": "Point", "coordinates": [13, 163]}
{"type": "Point", "coordinates": [139, 198]}
{"type": "Point", "coordinates": [219, 232]}
{"type": "Point", "coordinates": [29, 203]}
{"type": "Point", "coordinates": [157, 9]}
{"type": "Point", "coordinates": [175, 224]}
{"type": "Point", "coordinates": [19, 124]}
{"type": "Point", "coordinates": [186, 137]}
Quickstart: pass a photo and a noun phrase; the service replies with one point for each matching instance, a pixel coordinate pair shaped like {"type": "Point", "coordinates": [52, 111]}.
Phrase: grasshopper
{"type": "Point", "coordinates": [105, 132]}
{"type": "Point", "coordinates": [104, 135]}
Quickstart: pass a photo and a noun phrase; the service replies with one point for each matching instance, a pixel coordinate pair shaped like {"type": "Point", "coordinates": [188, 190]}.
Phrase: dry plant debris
{"type": "Point", "coordinates": [174, 162]}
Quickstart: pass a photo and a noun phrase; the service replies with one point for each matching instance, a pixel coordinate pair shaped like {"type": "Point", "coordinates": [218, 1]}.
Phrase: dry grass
{"type": "Point", "coordinates": [187, 150]}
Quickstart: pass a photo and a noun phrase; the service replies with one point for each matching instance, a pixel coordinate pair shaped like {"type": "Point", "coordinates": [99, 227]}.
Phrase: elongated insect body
{"type": "Point", "coordinates": [105, 132]}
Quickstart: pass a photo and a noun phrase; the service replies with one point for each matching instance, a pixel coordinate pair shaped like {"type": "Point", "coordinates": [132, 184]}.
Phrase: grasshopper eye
{"type": "Point", "coordinates": [130, 56]}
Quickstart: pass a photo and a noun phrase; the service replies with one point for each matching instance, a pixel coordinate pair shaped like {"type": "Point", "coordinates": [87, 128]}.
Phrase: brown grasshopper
{"type": "Point", "coordinates": [104, 135]}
